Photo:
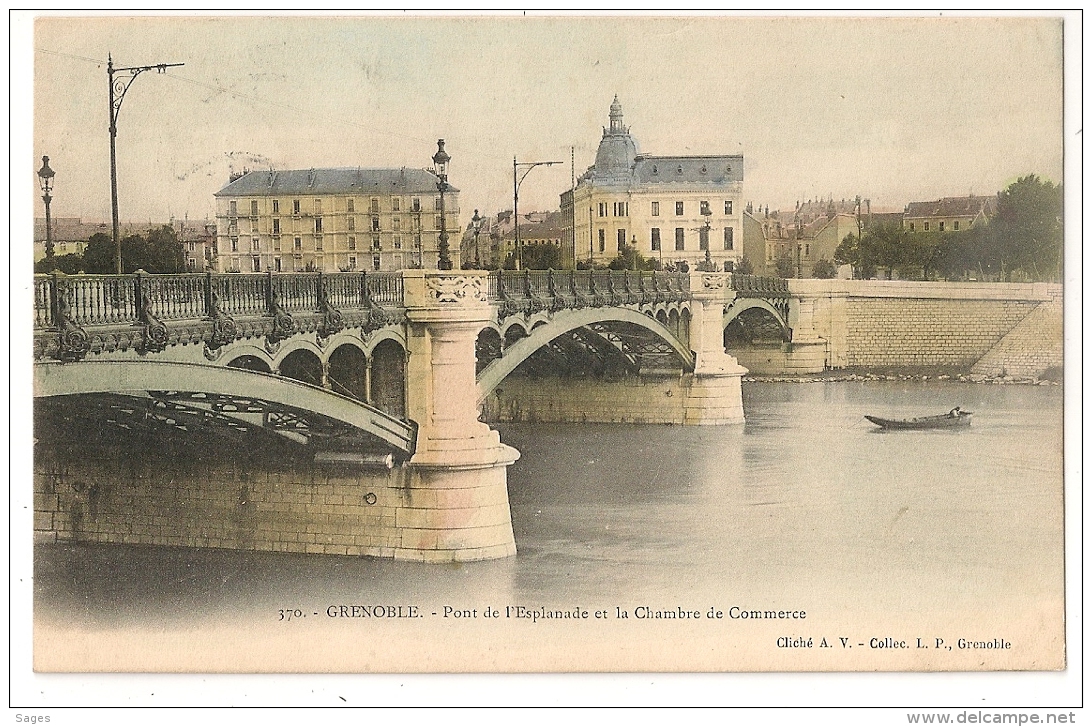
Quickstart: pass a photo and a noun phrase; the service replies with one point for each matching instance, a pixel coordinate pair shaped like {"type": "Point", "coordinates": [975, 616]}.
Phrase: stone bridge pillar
{"type": "Point", "coordinates": [457, 498]}
{"type": "Point", "coordinates": [715, 393]}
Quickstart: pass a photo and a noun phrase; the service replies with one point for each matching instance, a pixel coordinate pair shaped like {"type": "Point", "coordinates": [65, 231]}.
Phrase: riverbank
{"type": "Point", "coordinates": [1051, 377]}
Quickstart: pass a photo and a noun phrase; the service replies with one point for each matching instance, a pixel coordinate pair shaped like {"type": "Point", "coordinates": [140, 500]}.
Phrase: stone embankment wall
{"type": "Point", "coordinates": [1030, 349]}
{"type": "Point", "coordinates": [301, 508]}
{"type": "Point", "coordinates": [876, 324]}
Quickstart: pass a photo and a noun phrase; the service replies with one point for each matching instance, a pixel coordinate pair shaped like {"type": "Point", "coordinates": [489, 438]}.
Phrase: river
{"type": "Point", "coordinates": [806, 508]}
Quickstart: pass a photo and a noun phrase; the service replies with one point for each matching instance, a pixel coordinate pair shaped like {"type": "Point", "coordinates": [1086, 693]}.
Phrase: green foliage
{"type": "Point", "coordinates": [98, 255]}
{"type": "Point", "coordinates": [1027, 229]}
{"type": "Point", "coordinates": [785, 267]}
{"type": "Point", "coordinates": [824, 268]}
{"type": "Point", "coordinates": [69, 264]}
{"type": "Point", "coordinates": [542, 256]}
{"type": "Point", "coordinates": [629, 258]}
{"type": "Point", "coordinates": [745, 267]}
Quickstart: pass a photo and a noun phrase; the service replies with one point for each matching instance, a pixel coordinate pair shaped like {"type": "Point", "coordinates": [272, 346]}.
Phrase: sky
{"type": "Point", "coordinates": [894, 109]}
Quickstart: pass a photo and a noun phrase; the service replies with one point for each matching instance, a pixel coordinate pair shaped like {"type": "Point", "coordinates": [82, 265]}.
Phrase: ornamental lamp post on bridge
{"type": "Point", "coordinates": [45, 176]}
{"type": "Point", "coordinates": [476, 222]}
{"type": "Point", "coordinates": [441, 159]}
{"type": "Point", "coordinates": [517, 180]}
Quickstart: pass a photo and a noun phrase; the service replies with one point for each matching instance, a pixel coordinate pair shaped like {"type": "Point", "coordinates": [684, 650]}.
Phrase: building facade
{"type": "Point", "coordinates": [333, 219]}
{"type": "Point", "coordinates": [670, 208]}
{"type": "Point", "coordinates": [948, 214]}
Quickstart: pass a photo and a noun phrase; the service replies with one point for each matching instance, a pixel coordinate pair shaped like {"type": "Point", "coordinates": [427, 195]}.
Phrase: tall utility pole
{"type": "Point", "coordinates": [117, 95]}
{"type": "Point", "coordinates": [516, 181]}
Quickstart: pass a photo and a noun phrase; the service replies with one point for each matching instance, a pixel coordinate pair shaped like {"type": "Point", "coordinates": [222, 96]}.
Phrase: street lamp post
{"type": "Point", "coordinates": [441, 159]}
{"type": "Point", "coordinates": [476, 221]}
{"type": "Point", "coordinates": [517, 180]}
{"type": "Point", "coordinates": [118, 89]}
{"type": "Point", "coordinates": [45, 175]}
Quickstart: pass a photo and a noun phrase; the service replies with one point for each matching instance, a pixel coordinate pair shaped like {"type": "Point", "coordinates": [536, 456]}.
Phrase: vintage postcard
{"type": "Point", "coordinates": [511, 344]}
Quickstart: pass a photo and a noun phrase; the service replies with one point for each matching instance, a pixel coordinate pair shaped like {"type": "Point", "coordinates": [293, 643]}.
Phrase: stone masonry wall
{"type": "Point", "coordinates": [302, 508]}
{"type": "Point", "coordinates": [635, 399]}
{"type": "Point", "coordinates": [927, 332]}
{"type": "Point", "coordinates": [1029, 349]}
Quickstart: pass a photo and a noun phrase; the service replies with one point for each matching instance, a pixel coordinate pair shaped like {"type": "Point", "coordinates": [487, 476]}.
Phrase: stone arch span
{"type": "Point", "coordinates": [563, 322]}
{"type": "Point", "coordinates": [98, 377]}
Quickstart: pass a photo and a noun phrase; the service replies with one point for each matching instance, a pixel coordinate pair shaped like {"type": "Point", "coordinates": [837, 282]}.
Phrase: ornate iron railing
{"type": "Point", "coordinates": [96, 300]}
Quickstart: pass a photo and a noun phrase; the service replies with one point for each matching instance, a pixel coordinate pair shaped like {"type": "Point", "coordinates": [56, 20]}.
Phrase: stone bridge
{"type": "Point", "coordinates": [365, 370]}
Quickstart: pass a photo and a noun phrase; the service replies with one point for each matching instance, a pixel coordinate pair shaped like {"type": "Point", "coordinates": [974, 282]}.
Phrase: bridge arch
{"type": "Point", "coordinates": [562, 322]}
{"type": "Point", "coordinates": [302, 364]}
{"type": "Point", "coordinates": [742, 305]}
{"type": "Point", "coordinates": [347, 370]}
{"type": "Point", "coordinates": [129, 377]}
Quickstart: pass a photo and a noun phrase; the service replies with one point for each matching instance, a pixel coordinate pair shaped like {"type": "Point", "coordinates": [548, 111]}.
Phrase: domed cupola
{"type": "Point", "coordinates": [617, 150]}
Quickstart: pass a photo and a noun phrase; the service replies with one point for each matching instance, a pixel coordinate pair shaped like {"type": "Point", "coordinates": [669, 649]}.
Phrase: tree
{"type": "Point", "coordinates": [1027, 229]}
{"type": "Point", "coordinates": [785, 267]}
{"type": "Point", "coordinates": [824, 268]}
{"type": "Point", "coordinates": [542, 256]}
{"type": "Point", "coordinates": [98, 255]}
{"type": "Point", "coordinates": [69, 264]}
{"type": "Point", "coordinates": [745, 267]}
{"type": "Point", "coordinates": [628, 258]}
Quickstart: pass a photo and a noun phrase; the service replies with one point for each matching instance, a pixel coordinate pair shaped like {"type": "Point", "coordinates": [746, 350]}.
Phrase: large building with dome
{"type": "Point", "coordinates": [670, 208]}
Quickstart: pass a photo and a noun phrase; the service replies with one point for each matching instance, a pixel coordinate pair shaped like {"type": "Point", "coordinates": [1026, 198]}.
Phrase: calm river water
{"type": "Point", "coordinates": [805, 507]}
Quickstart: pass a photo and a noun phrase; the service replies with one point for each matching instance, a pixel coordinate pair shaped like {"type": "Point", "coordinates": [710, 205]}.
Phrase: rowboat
{"type": "Point", "coordinates": [953, 419]}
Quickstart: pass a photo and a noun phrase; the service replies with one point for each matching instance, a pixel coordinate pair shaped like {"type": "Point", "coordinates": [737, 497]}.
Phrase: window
{"type": "Point", "coordinates": [191, 264]}
{"type": "Point", "coordinates": [297, 244]}
{"type": "Point", "coordinates": [276, 226]}
{"type": "Point", "coordinates": [255, 244]}
{"type": "Point", "coordinates": [352, 242]}
{"type": "Point", "coordinates": [277, 264]}
{"type": "Point", "coordinates": [233, 227]}
{"type": "Point", "coordinates": [678, 208]}
{"type": "Point", "coordinates": [396, 204]}
{"type": "Point", "coordinates": [438, 221]}
{"type": "Point", "coordinates": [233, 208]}
{"type": "Point", "coordinates": [955, 225]}
{"type": "Point", "coordinates": [375, 262]}
{"type": "Point", "coordinates": [416, 204]}
{"type": "Point", "coordinates": [680, 238]}
{"type": "Point", "coordinates": [655, 209]}
{"type": "Point", "coordinates": [417, 241]}
{"type": "Point", "coordinates": [376, 245]}
{"type": "Point", "coordinates": [235, 244]}
{"type": "Point", "coordinates": [352, 262]}
{"type": "Point", "coordinates": [602, 240]}
{"type": "Point", "coordinates": [655, 238]}
{"type": "Point", "coordinates": [234, 264]}
{"type": "Point", "coordinates": [396, 223]}
{"type": "Point", "coordinates": [703, 238]}
{"type": "Point", "coordinates": [193, 246]}
{"type": "Point", "coordinates": [318, 206]}
{"type": "Point", "coordinates": [621, 209]}
{"type": "Point", "coordinates": [911, 227]}
{"type": "Point", "coordinates": [926, 226]}
{"type": "Point", "coordinates": [397, 242]}
{"type": "Point", "coordinates": [276, 244]}
{"type": "Point", "coordinates": [942, 226]}
{"type": "Point", "coordinates": [350, 205]}
{"type": "Point", "coordinates": [256, 263]}
{"type": "Point", "coordinates": [602, 209]}
{"type": "Point", "coordinates": [375, 224]}
{"type": "Point", "coordinates": [436, 203]}
{"type": "Point", "coordinates": [253, 208]}
{"type": "Point", "coordinates": [727, 206]}
{"type": "Point", "coordinates": [621, 239]}
{"type": "Point", "coordinates": [276, 206]}
{"type": "Point", "coordinates": [373, 205]}
{"type": "Point", "coordinates": [295, 207]}
{"type": "Point", "coordinates": [415, 222]}
{"type": "Point", "coordinates": [318, 242]}
{"type": "Point", "coordinates": [318, 225]}
{"type": "Point", "coordinates": [729, 243]}
{"type": "Point", "coordinates": [704, 205]}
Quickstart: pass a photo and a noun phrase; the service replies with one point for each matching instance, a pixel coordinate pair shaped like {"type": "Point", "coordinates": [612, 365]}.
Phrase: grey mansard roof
{"type": "Point", "coordinates": [333, 181]}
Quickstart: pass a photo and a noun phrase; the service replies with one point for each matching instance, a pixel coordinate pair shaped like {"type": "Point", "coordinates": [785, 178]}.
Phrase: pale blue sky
{"type": "Point", "coordinates": [893, 109]}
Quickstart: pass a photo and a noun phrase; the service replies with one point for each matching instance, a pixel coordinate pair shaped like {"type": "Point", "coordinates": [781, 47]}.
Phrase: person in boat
{"type": "Point", "coordinates": [955, 413]}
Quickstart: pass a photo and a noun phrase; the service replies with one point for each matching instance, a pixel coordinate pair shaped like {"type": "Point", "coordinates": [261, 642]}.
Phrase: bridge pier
{"type": "Point", "coordinates": [715, 393]}
{"type": "Point", "coordinates": [457, 490]}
